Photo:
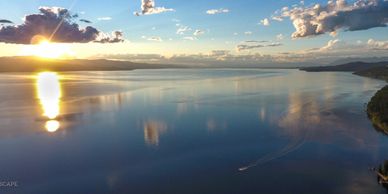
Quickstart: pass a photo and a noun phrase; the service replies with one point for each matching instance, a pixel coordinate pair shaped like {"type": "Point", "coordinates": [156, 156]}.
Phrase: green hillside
{"type": "Point", "coordinates": [378, 110]}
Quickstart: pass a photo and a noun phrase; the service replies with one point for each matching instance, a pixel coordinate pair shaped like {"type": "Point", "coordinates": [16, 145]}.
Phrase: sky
{"type": "Point", "coordinates": [200, 32]}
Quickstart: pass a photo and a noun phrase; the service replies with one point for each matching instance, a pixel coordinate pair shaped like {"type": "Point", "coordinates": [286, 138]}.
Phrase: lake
{"type": "Point", "coordinates": [216, 131]}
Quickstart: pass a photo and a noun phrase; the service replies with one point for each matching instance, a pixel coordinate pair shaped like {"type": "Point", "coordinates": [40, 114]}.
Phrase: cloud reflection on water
{"type": "Point", "coordinates": [152, 131]}
{"type": "Point", "coordinates": [216, 124]}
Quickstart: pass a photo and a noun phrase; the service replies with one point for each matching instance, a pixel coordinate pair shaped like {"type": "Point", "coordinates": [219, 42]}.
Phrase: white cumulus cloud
{"type": "Point", "coordinates": [336, 15]}
{"type": "Point", "coordinates": [182, 30]}
{"type": "Point", "coordinates": [104, 18]}
{"type": "Point", "coordinates": [279, 37]}
{"type": "Point", "coordinates": [265, 22]}
{"type": "Point", "coordinates": [217, 11]}
{"type": "Point", "coordinates": [148, 8]}
{"type": "Point", "coordinates": [198, 32]}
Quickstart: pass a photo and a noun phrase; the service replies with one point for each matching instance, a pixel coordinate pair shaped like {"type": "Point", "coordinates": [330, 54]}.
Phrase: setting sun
{"type": "Point", "coordinates": [49, 50]}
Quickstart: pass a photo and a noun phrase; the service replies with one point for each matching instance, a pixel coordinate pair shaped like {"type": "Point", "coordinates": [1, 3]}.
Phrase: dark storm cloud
{"type": "Point", "coordinates": [54, 23]}
{"type": "Point", "coordinates": [337, 15]}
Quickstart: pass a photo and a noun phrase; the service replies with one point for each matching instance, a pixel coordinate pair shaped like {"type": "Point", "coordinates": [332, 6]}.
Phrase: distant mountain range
{"type": "Point", "coordinates": [353, 59]}
{"type": "Point", "coordinates": [36, 64]}
{"type": "Point", "coordinates": [378, 70]}
{"type": "Point", "coordinates": [350, 67]}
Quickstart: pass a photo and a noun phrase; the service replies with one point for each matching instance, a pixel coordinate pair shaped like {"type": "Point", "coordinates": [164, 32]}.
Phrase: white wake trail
{"type": "Point", "coordinates": [292, 146]}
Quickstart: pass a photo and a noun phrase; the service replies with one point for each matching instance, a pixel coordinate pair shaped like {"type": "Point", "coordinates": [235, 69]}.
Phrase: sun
{"type": "Point", "coordinates": [45, 49]}
{"type": "Point", "coordinates": [48, 50]}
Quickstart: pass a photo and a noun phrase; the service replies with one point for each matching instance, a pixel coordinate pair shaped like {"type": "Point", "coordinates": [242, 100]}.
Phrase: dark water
{"type": "Point", "coordinates": [189, 131]}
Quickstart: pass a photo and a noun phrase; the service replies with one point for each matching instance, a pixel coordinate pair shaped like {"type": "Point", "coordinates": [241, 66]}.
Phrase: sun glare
{"type": "Point", "coordinates": [52, 126]}
{"type": "Point", "coordinates": [46, 49]}
{"type": "Point", "coordinates": [49, 94]}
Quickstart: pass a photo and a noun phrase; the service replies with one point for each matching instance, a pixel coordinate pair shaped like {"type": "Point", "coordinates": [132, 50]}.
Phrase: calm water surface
{"type": "Point", "coordinates": [189, 131]}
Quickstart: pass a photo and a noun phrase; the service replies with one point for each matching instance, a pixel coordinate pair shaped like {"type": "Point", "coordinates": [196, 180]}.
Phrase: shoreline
{"type": "Point", "coordinates": [377, 110]}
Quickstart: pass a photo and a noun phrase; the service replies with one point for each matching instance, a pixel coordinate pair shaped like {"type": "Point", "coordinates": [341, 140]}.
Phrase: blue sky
{"type": "Point", "coordinates": [224, 31]}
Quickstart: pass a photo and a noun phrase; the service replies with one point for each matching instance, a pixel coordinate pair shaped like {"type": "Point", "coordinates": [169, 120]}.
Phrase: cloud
{"type": "Point", "coordinates": [219, 53]}
{"type": "Point", "coordinates": [115, 37]}
{"type": "Point", "coordinates": [274, 44]}
{"type": "Point", "coordinates": [248, 33]}
{"type": "Point", "coordinates": [243, 47]}
{"type": "Point", "coordinates": [55, 24]}
{"type": "Point", "coordinates": [155, 38]}
{"type": "Point", "coordinates": [175, 20]}
{"type": "Point", "coordinates": [217, 11]}
{"type": "Point", "coordinates": [104, 18]}
{"type": "Point", "coordinates": [182, 30]}
{"type": "Point", "coordinates": [277, 18]}
{"type": "Point", "coordinates": [336, 47]}
{"type": "Point", "coordinates": [3, 21]}
{"type": "Point", "coordinates": [279, 37]}
{"type": "Point", "coordinates": [341, 49]}
{"type": "Point", "coordinates": [377, 45]}
{"type": "Point", "coordinates": [337, 15]}
{"type": "Point", "coordinates": [189, 38]}
{"type": "Point", "coordinates": [333, 52]}
{"type": "Point", "coordinates": [265, 22]}
{"type": "Point", "coordinates": [215, 58]}
{"type": "Point", "coordinates": [251, 46]}
{"type": "Point", "coordinates": [333, 44]}
{"type": "Point", "coordinates": [198, 32]}
{"type": "Point", "coordinates": [256, 41]}
{"type": "Point", "coordinates": [85, 21]}
{"type": "Point", "coordinates": [148, 8]}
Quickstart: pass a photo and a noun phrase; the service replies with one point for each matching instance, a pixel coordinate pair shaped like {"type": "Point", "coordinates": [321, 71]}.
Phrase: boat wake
{"type": "Point", "coordinates": [291, 147]}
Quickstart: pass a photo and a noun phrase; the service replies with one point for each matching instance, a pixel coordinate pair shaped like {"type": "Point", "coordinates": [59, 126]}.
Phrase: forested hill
{"type": "Point", "coordinates": [349, 67]}
{"type": "Point", "coordinates": [36, 64]}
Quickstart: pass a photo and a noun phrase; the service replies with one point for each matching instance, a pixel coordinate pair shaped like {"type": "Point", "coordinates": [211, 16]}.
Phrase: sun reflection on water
{"type": "Point", "coordinates": [52, 126]}
{"type": "Point", "coordinates": [49, 94]}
